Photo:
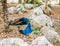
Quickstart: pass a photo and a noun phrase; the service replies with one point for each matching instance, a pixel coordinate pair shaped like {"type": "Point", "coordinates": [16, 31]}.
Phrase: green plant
{"type": "Point", "coordinates": [35, 30]}
{"type": "Point", "coordinates": [18, 45]}
{"type": "Point", "coordinates": [36, 4]}
{"type": "Point", "coordinates": [49, 5]}
{"type": "Point", "coordinates": [35, 1]}
{"type": "Point", "coordinates": [39, 4]}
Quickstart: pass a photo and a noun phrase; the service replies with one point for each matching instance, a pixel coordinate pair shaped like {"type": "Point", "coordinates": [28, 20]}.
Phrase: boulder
{"type": "Point", "coordinates": [50, 34]}
{"type": "Point", "coordinates": [12, 10]}
{"type": "Point", "coordinates": [41, 41]}
{"type": "Point", "coordinates": [13, 42]}
{"type": "Point", "coordinates": [28, 6]}
{"type": "Point", "coordinates": [20, 7]}
{"type": "Point", "coordinates": [36, 15]}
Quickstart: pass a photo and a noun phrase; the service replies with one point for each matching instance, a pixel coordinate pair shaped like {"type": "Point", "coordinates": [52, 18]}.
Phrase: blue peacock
{"type": "Point", "coordinates": [23, 21]}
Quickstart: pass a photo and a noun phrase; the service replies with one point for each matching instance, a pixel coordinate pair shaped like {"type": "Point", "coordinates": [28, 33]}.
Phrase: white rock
{"type": "Point", "coordinates": [41, 41]}
{"type": "Point", "coordinates": [13, 41]}
{"type": "Point", "coordinates": [40, 18]}
{"type": "Point", "coordinates": [11, 9]}
{"type": "Point", "coordinates": [37, 10]}
{"type": "Point", "coordinates": [42, 6]}
{"type": "Point", "coordinates": [15, 1]}
{"type": "Point", "coordinates": [28, 6]}
{"type": "Point", "coordinates": [19, 7]}
{"type": "Point", "coordinates": [50, 34]}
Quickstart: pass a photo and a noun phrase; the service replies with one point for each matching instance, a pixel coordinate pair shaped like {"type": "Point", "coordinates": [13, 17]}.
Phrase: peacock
{"type": "Point", "coordinates": [23, 21]}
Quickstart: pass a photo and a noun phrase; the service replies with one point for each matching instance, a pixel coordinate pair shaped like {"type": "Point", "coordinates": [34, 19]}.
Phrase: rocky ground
{"type": "Point", "coordinates": [14, 33]}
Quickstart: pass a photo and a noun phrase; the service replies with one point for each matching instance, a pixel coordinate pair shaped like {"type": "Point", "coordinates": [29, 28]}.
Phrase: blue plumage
{"type": "Point", "coordinates": [27, 30]}
{"type": "Point", "coordinates": [24, 21]}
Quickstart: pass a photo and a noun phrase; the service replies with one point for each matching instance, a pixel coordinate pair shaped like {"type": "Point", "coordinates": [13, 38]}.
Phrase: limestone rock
{"type": "Point", "coordinates": [19, 7]}
{"type": "Point", "coordinates": [12, 10]}
{"type": "Point", "coordinates": [40, 18]}
{"type": "Point", "coordinates": [13, 42]}
{"type": "Point", "coordinates": [28, 6]}
{"type": "Point", "coordinates": [50, 34]}
{"type": "Point", "coordinates": [41, 41]}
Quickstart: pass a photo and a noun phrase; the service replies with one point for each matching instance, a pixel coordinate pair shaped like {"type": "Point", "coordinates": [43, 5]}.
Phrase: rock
{"type": "Point", "coordinates": [41, 41]}
{"type": "Point", "coordinates": [19, 7]}
{"type": "Point", "coordinates": [13, 42]}
{"type": "Point", "coordinates": [42, 6]}
{"type": "Point", "coordinates": [50, 34]}
{"type": "Point", "coordinates": [37, 10]}
{"type": "Point", "coordinates": [40, 18]}
{"type": "Point", "coordinates": [12, 10]}
{"type": "Point", "coordinates": [28, 6]}
{"type": "Point", "coordinates": [16, 9]}
{"type": "Point", "coordinates": [14, 1]}
{"type": "Point", "coordinates": [54, 2]}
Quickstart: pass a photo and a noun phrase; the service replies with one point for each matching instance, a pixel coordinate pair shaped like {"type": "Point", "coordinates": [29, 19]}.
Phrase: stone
{"type": "Point", "coordinates": [50, 34]}
{"type": "Point", "coordinates": [19, 7]}
{"type": "Point", "coordinates": [36, 15]}
{"type": "Point", "coordinates": [11, 10]}
{"type": "Point", "coordinates": [13, 42]}
{"type": "Point", "coordinates": [28, 6]}
{"type": "Point", "coordinates": [41, 41]}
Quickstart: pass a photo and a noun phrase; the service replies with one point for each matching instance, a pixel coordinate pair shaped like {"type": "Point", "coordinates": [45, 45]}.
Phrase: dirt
{"type": "Point", "coordinates": [56, 17]}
